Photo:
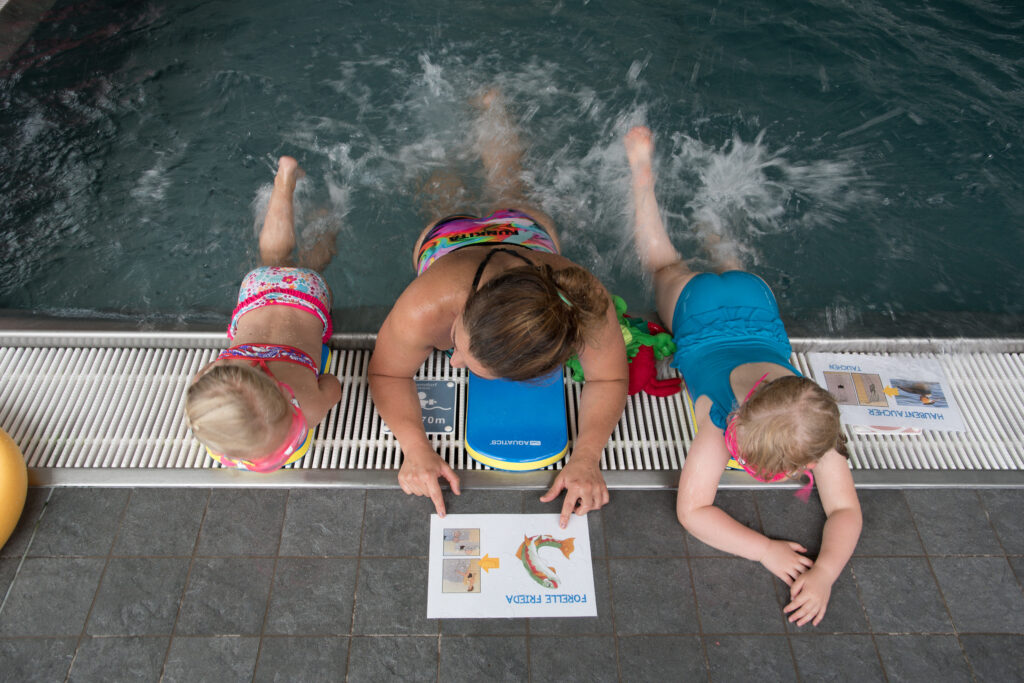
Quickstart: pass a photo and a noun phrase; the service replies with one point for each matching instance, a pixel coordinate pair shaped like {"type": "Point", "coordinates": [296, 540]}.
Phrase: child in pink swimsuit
{"type": "Point", "coordinates": [255, 406]}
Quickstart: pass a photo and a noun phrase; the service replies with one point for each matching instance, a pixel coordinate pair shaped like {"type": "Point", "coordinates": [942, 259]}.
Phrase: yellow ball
{"type": "Point", "coordinates": [13, 485]}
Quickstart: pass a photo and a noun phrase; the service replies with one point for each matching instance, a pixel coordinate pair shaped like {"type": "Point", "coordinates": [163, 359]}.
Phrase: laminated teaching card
{"type": "Point", "coordinates": [509, 566]}
{"type": "Point", "coordinates": [888, 392]}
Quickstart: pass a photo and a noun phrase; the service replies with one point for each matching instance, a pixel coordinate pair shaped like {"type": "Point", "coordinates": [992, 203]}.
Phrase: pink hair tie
{"type": "Point", "coordinates": [804, 493]}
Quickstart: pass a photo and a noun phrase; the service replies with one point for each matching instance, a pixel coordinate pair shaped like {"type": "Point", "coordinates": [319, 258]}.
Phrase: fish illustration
{"type": "Point", "coordinates": [528, 553]}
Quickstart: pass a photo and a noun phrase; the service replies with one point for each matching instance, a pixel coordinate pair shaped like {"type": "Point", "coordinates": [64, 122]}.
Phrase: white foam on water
{"type": "Point", "coordinates": [573, 162]}
{"type": "Point", "coordinates": [151, 186]}
{"type": "Point", "coordinates": [317, 210]}
{"type": "Point", "coordinates": [740, 190]}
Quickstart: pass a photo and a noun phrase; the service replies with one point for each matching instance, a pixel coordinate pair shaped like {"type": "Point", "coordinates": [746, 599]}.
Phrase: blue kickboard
{"type": "Point", "coordinates": [517, 425]}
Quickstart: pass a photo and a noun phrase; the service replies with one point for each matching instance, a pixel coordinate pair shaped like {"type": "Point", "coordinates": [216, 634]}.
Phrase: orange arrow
{"type": "Point", "coordinates": [889, 391]}
{"type": "Point", "coordinates": [487, 563]}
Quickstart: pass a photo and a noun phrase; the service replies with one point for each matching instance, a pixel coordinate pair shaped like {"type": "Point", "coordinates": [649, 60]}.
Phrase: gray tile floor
{"type": "Point", "coordinates": [308, 585]}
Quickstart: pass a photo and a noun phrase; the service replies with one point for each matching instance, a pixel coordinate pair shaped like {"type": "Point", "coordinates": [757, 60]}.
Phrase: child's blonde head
{"type": "Point", "coordinates": [234, 409]}
{"type": "Point", "coordinates": [786, 425]}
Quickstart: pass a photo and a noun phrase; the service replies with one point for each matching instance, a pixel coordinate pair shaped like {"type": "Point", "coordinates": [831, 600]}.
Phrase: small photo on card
{"type": "Point", "coordinates": [460, 576]}
{"type": "Point", "coordinates": [461, 542]}
{"type": "Point", "coordinates": [840, 385]}
{"type": "Point", "coordinates": [870, 390]}
{"type": "Point", "coordinates": [919, 393]}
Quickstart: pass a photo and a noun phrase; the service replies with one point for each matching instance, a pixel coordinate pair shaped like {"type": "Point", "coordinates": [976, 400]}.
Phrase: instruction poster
{"type": "Point", "coordinates": [888, 392]}
{"type": "Point", "coordinates": [509, 566]}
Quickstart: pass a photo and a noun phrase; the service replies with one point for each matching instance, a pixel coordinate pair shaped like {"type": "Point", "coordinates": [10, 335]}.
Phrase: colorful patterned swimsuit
{"type": "Point", "coordinates": [279, 286]}
{"type": "Point", "coordinates": [506, 226]}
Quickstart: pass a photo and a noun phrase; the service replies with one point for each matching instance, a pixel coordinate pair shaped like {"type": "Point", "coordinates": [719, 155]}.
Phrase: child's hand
{"type": "Point", "coordinates": [809, 596]}
{"type": "Point", "coordinates": [783, 559]}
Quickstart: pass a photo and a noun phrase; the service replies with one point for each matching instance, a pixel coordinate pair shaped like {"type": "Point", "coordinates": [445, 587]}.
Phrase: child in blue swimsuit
{"type": "Point", "coordinates": [751, 405]}
{"type": "Point", "coordinates": [256, 405]}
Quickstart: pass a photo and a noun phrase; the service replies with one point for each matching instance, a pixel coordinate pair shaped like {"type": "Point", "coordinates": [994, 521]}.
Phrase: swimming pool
{"type": "Point", "coordinates": [867, 159]}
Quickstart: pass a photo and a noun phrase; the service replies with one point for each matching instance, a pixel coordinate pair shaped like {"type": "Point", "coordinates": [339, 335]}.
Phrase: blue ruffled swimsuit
{"type": "Point", "coordinates": [722, 322]}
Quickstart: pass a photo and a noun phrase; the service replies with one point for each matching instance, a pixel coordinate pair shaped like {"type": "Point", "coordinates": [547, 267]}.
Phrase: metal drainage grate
{"type": "Point", "coordinates": [106, 409]}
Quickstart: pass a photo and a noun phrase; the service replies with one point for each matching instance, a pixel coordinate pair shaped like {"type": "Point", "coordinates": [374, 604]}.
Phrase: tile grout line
{"type": "Point", "coordinates": [860, 596]}
{"type": "Point", "coordinates": [24, 554]}
{"type": "Point", "coordinates": [1006, 557]}
{"type": "Point", "coordinates": [991, 524]}
{"type": "Point", "coordinates": [696, 604]}
{"type": "Point", "coordinates": [938, 586]}
{"type": "Point", "coordinates": [184, 587]}
{"type": "Point", "coordinates": [99, 583]}
{"type": "Point", "coordinates": [867, 620]}
{"type": "Point", "coordinates": [611, 595]}
{"type": "Point", "coordinates": [775, 589]}
{"type": "Point", "coordinates": [273, 579]}
{"type": "Point", "coordinates": [355, 592]}
{"type": "Point", "coordinates": [1006, 554]}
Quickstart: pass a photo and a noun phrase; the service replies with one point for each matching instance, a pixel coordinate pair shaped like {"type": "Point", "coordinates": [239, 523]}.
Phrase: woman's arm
{"type": "Point", "coordinates": [698, 484]}
{"type": "Point", "coordinates": [397, 355]}
{"type": "Point", "coordinates": [810, 593]}
{"type": "Point", "coordinates": [601, 404]}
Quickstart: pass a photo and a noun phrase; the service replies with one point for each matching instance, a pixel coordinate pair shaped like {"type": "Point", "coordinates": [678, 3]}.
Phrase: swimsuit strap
{"type": "Point", "coordinates": [259, 354]}
{"type": "Point", "coordinates": [731, 445]}
{"type": "Point", "coordinates": [730, 435]}
{"type": "Point", "coordinates": [754, 388]}
{"type": "Point", "coordinates": [483, 264]}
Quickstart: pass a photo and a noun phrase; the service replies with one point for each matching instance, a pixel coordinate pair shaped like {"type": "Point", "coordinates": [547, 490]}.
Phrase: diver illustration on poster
{"type": "Point", "coordinates": [508, 566]}
{"type": "Point", "coordinates": [901, 394]}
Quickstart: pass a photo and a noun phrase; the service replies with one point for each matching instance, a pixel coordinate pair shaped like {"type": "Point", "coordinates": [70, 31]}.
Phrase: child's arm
{"type": "Point", "coordinates": [810, 592]}
{"type": "Point", "coordinates": [330, 393]}
{"type": "Point", "coordinates": [695, 507]}
{"type": "Point", "coordinates": [315, 406]}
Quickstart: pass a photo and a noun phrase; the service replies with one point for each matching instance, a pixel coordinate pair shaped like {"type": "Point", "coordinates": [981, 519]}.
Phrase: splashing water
{"type": "Point", "coordinates": [733, 193]}
{"type": "Point", "coordinates": [741, 190]}
{"type": "Point", "coordinates": [148, 165]}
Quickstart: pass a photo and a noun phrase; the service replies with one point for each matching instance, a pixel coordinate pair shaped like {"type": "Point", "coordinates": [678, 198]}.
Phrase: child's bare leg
{"type": "Point", "coordinates": [277, 238]}
{"type": "Point", "coordinates": [441, 195]}
{"type": "Point", "coordinates": [723, 253]}
{"type": "Point", "coordinates": [657, 253]}
{"type": "Point", "coordinates": [317, 255]}
{"type": "Point", "coordinates": [497, 141]}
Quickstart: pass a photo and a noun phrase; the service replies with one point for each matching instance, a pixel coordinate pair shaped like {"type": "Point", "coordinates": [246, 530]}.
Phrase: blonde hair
{"type": "Point", "coordinates": [529, 320]}
{"type": "Point", "coordinates": [786, 425]}
{"type": "Point", "coordinates": [233, 409]}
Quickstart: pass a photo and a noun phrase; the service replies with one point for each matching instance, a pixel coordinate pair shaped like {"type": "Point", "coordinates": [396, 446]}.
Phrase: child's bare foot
{"type": "Point", "coordinates": [488, 99]}
{"type": "Point", "coordinates": [639, 147]}
{"type": "Point", "coordinates": [288, 173]}
{"type": "Point", "coordinates": [724, 253]}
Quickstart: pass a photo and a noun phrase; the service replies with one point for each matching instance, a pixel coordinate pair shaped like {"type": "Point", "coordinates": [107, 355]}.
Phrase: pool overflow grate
{"type": "Point", "coordinates": [106, 409]}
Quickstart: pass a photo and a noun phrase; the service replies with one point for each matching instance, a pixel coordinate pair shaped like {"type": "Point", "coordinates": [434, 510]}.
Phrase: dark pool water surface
{"type": "Point", "coordinates": [866, 161]}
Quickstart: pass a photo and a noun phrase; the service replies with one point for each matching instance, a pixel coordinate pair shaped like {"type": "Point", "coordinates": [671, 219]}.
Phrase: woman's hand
{"type": "Point", "coordinates": [783, 559]}
{"type": "Point", "coordinates": [419, 476]}
{"type": "Point", "coordinates": [583, 484]}
{"type": "Point", "coordinates": [808, 596]}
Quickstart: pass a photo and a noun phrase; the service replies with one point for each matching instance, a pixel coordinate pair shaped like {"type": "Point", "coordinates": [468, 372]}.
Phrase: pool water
{"type": "Point", "coordinates": [866, 161]}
